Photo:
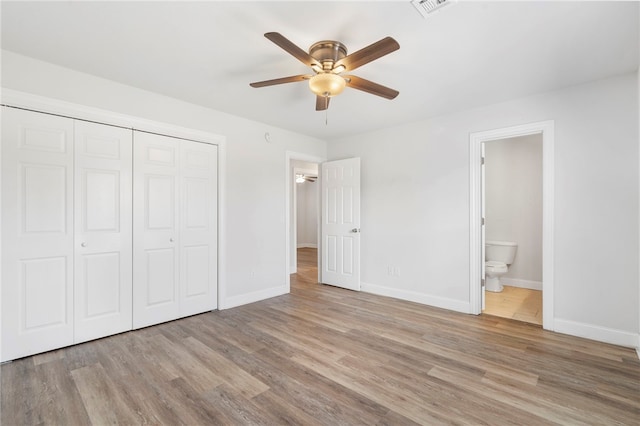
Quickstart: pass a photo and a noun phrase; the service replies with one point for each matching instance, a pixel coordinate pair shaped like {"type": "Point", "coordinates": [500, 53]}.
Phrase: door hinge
{"type": "Point", "coordinates": [481, 160]}
{"type": "Point", "coordinates": [483, 221]}
{"type": "Point", "coordinates": [482, 282]}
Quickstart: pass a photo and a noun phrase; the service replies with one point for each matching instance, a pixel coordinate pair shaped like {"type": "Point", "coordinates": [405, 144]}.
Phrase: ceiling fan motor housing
{"type": "Point", "coordinates": [328, 52]}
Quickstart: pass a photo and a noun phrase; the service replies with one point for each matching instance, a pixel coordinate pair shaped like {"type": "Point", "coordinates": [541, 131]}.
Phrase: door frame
{"type": "Point", "coordinates": [292, 155]}
{"type": "Point", "coordinates": [546, 129]}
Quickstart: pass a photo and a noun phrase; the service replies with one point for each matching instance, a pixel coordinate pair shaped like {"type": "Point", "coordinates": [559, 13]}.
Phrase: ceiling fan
{"type": "Point", "coordinates": [328, 59]}
{"type": "Point", "coordinates": [302, 178]}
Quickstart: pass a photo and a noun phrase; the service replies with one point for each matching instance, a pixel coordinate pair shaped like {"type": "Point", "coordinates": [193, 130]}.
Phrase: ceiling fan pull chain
{"type": "Point", "coordinates": [326, 109]}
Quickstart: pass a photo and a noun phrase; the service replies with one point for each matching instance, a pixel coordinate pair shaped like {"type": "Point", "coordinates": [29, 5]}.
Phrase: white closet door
{"type": "Point", "coordinates": [103, 230]}
{"type": "Point", "coordinates": [198, 227]}
{"type": "Point", "coordinates": [37, 232]}
{"type": "Point", "coordinates": [155, 229]}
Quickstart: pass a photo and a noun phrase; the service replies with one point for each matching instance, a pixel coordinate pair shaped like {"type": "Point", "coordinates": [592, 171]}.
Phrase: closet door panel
{"type": "Point", "coordinates": [156, 239]}
{"type": "Point", "coordinates": [103, 230]}
{"type": "Point", "coordinates": [198, 230]}
{"type": "Point", "coordinates": [37, 232]}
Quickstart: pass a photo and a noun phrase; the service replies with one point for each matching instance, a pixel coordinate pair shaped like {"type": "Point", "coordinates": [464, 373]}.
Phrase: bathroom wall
{"type": "Point", "coordinates": [513, 204]}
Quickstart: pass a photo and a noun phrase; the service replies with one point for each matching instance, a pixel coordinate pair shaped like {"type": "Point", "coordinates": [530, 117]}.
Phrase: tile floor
{"type": "Point", "coordinates": [520, 304]}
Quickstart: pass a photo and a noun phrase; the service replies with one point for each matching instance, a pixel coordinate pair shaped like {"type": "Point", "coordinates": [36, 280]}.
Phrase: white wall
{"type": "Point", "coordinates": [513, 204]}
{"type": "Point", "coordinates": [415, 204]}
{"type": "Point", "coordinates": [255, 169]}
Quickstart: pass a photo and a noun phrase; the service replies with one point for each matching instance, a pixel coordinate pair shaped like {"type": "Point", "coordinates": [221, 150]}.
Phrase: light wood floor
{"type": "Point", "coordinates": [521, 304]}
{"type": "Point", "coordinates": [326, 356]}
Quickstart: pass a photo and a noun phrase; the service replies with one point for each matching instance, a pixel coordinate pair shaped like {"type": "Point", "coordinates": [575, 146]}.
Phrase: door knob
{"type": "Point", "coordinates": [355, 230]}
{"type": "Point", "coordinates": [170, 240]}
{"type": "Point", "coordinates": [83, 244]}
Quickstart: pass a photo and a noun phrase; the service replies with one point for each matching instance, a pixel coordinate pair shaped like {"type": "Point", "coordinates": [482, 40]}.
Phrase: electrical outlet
{"type": "Point", "coordinates": [393, 271]}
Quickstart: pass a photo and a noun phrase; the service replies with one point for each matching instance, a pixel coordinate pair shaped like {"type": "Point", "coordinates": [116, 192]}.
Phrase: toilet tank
{"type": "Point", "coordinates": [500, 251]}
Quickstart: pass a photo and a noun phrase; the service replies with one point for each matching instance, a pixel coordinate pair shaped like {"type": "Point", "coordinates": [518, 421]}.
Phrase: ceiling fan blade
{"type": "Point", "coordinates": [292, 79]}
{"type": "Point", "coordinates": [292, 49]}
{"type": "Point", "coordinates": [322, 103]}
{"type": "Point", "coordinates": [370, 87]}
{"type": "Point", "coordinates": [368, 54]}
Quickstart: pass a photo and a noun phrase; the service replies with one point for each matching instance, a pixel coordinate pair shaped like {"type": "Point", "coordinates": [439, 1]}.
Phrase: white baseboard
{"type": "Point", "coordinates": [595, 332]}
{"type": "Point", "coordinates": [412, 296]}
{"type": "Point", "coordinates": [307, 245]}
{"type": "Point", "coordinates": [517, 282]}
{"type": "Point", "coordinates": [293, 269]}
{"type": "Point", "coordinates": [256, 296]}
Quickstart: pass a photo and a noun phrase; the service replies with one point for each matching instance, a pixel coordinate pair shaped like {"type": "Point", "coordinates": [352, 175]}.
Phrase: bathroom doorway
{"type": "Point", "coordinates": [477, 142]}
{"type": "Point", "coordinates": [512, 197]}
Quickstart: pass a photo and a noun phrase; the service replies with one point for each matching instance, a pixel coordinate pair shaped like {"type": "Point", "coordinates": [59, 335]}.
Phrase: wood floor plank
{"type": "Point", "coordinates": [101, 397]}
{"type": "Point", "coordinates": [60, 399]}
{"type": "Point", "coordinates": [283, 412]}
{"type": "Point", "coordinates": [316, 394]}
{"type": "Point", "coordinates": [132, 365]}
{"type": "Point", "coordinates": [235, 378]}
{"type": "Point", "coordinates": [323, 355]}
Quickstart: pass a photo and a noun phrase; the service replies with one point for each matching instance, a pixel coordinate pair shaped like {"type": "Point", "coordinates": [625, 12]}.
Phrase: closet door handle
{"type": "Point", "coordinates": [170, 240]}
{"type": "Point", "coordinates": [83, 244]}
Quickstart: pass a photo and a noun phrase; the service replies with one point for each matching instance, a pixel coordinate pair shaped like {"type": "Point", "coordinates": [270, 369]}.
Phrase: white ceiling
{"type": "Point", "coordinates": [465, 55]}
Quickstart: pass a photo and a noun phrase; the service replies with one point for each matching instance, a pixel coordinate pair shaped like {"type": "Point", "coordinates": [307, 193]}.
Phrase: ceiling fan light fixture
{"type": "Point", "coordinates": [327, 84]}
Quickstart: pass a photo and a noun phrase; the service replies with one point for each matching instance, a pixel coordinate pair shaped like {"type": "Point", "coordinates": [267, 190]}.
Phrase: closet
{"type": "Point", "coordinates": [175, 227]}
{"type": "Point", "coordinates": [104, 229]}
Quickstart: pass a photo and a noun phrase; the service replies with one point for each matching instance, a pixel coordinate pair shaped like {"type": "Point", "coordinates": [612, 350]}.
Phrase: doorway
{"type": "Point", "coordinates": [298, 163]}
{"type": "Point", "coordinates": [305, 208]}
{"type": "Point", "coordinates": [477, 229]}
{"type": "Point", "coordinates": [512, 199]}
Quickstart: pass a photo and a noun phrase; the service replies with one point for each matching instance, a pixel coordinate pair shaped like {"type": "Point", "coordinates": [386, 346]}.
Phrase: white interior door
{"type": "Point", "coordinates": [155, 229]}
{"type": "Point", "coordinates": [103, 230]}
{"type": "Point", "coordinates": [198, 227]}
{"type": "Point", "coordinates": [37, 232]}
{"type": "Point", "coordinates": [340, 229]}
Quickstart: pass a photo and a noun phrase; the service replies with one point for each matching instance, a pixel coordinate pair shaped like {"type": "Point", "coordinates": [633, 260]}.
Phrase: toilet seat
{"type": "Point", "coordinates": [495, 266]}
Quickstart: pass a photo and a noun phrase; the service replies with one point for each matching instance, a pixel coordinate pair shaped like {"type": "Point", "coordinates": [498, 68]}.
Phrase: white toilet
{"type": "Point", "coordinates": [498, 256]}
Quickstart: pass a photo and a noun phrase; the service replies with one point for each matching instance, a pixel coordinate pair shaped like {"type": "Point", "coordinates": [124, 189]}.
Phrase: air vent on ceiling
{"type": "Point", "coordinates": [426, 7]}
